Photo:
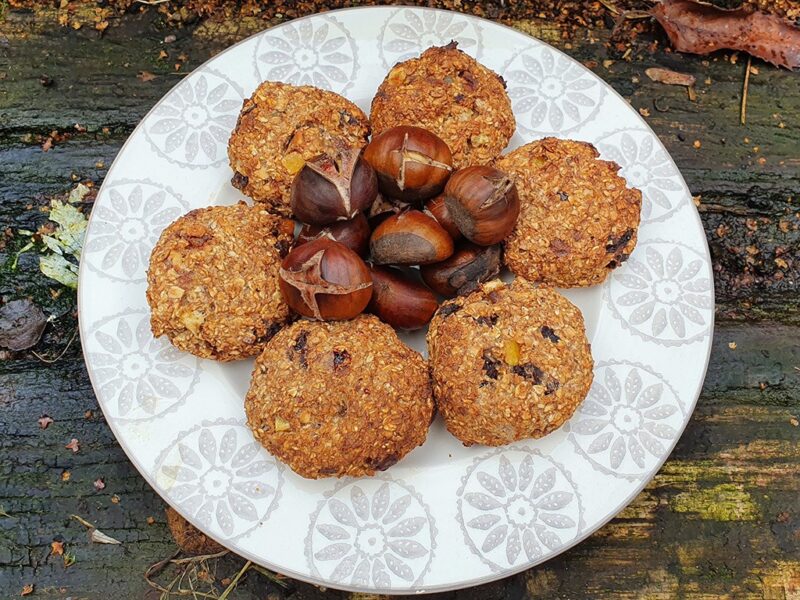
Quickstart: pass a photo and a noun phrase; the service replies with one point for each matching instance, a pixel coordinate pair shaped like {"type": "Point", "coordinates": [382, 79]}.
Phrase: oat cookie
{"type": "Point", "coordinates": [212, 284]}
{"type": "Point", "coordinates": [508, 362]}
{"type": "Point", "coordinates": [451, 94]}
{"type": "Point", "coordinates": [280, 127]}
{"type": "Point", "coordinates": [339, 398]}
{"type": "Point", "coordinates": [578, 220]}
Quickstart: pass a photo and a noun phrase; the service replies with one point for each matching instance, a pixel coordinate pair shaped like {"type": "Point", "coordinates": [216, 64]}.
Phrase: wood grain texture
{"type": "Point", "coordinates": [721, 519]}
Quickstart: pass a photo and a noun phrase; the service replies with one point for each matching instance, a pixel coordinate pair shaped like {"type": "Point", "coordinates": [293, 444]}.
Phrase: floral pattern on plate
{"type": "Point", "coordinates": [126, 226]}
{"type": "Point", "coordinates": [551, 93]}
{"type": "Point", "coordinates": [408, 32]}
{"type": "Point", "coordinates": [159, 400]}
{"type": "Point", "coordinates": [319, 52]}
{"type": "Point", "coordinates": [374, 532]}
{"type": "Point", "coordinates": [192, 124]}
{"type": "Point", "coordinates": [138, 377]}
{"type": "Point", "coordinates": [647, 166]}
{"type": "Point", "coordinates": [516, 506]}
{"type": "Point", "coordinates": [629, 420]}
{"type": "Point", "coordinates": [217, 475]}
{"type": "Point", "coordinates": [662, 293]}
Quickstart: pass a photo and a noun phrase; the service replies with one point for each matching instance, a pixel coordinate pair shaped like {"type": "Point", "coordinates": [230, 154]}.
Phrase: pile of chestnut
{"type": "Point", "coordinates": [396, 205]}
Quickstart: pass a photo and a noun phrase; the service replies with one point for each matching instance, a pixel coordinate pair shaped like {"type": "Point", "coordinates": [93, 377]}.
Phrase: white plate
{"type": "Point", "coordinates": [446, 516]}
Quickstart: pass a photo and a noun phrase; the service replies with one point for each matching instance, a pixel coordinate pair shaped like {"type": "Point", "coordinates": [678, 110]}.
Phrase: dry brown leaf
{"type": "Point", "coordinates": [98, 537]}
{"type": "Point", "coordinates": [670, 77]}
{"type": "Point", "coordinates": [73, 445]}
{"type": "Point", "coordinates": [145, 76]}
{"type": "Point", "coordinates": [56, 548]}
{"type": "Point", "coordinates": [27, 589]}
{"type": "Point", "coordinates": [703, 28]}
{"type": "Point", "coordinates": [21, 324]}
{"type": "Point", "coordinates": [45, 421]}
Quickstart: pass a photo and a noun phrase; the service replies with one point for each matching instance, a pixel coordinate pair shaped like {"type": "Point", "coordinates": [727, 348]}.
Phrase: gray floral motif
{"type": "Point", "coordinates": [663, 293]}
{"type": "Point", "coordinates": [518, 507]}
{"type": "Point", "coordinates": [625, 429]}
{"type": "Point", "coordinates": [374, 532]}
{"type": "Point", "coordinates": [319, 52]}
{"type": "Point", "coordinates": [409, 31]}
{"type": "Point", "coordinates": [646, 166]}
{"type": "Point", "coordinates": [551, 93]}
{"type": "Point", "coordinates": [192, 124]}
{"type": "Point", "coordinates": [137, 377]}
{"type": "Point", "coordinates": [218, 476]}
{"type": "Point", "coordinates": [127, 219]}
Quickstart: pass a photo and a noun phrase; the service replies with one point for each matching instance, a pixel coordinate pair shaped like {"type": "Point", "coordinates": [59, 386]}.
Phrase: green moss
{"type": "Point", "coordinates": [725, 502]}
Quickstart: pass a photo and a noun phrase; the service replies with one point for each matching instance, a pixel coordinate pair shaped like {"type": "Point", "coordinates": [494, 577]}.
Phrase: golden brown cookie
{"type": "Point", "coordinates": [280, 127]}
{"type": "Point", "coordinates": [508, 362]}
{"type": "Point", "coordinates": [212, 284]}
{"type": "Point", "coordinates": [451, 94]}
{"type": "Point", "coordinates": [339, 398]}
{"type": "Point", "coordinates": [578, 219]}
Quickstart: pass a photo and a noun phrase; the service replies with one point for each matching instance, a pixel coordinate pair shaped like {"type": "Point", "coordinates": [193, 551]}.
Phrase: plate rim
{"type": "Point", "coordinates": [83, 327]}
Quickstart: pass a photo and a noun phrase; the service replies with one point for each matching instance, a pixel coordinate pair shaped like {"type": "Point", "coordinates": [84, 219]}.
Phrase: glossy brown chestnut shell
{"type": "Point", "coordinates": [353, 233]}
{"type": "Point", "coordinates": [412, 163]}
{"type": "Point", "coordinates": [462, 273]}
{"type": "Point", "coordinates": [333, 188]}
{"type": "Point", "coordinates": [438, 210]}
{"type": "Point", "coordinates": [410, 238]}
{"type": "Point", "coordinates": [400, 300]}
{"type": "Point", "coordinates": [325, 280]}
{"type": "Point", "coordinates": [483, 202]}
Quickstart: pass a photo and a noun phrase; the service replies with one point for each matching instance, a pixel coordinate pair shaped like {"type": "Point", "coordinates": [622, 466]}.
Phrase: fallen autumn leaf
{"type": "Point", "coordinates": [21, 324]}
{"type": "Point", "coordinates": [670, 77]}
{"type": "Point", "coordinates": [702, 28]}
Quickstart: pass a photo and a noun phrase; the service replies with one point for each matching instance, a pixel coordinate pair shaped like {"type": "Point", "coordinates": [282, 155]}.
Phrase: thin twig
{"type": "Point", "coordinates": [151, 2]}
{"type": "Point", "coordinates": [156, 568]}
{"type": "Point", "coordinates": [199, 557]}
{"type": "Point", "coordinates": [236, 579]}
{"type": "Point", "coordinates": [63, 352]}
{"type": "Point", "coordinates": [610, 6]}
{"type": "Point", "coordinates": [743, 112]}
{"type": "Point", "coordinates": [83, 522]}
{"type": "Point", "coordinates": [275, 578]}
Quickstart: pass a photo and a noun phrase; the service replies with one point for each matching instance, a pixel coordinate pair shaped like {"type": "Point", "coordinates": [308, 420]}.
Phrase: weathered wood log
{"type": "Point", "coordinates": [721, 518]}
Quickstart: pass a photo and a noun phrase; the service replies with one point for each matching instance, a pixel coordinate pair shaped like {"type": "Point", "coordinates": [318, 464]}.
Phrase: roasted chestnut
{"type": "Point", "coordinates": [438, 210]}
{"type": "Point", "coordinates": [412, 163]}
{"type": "Point", "coordinates": [325, 280]}
{"type": "Point", "coordinates": [483, 203]}
{"type": "Point", "coordinates": [410, 238]}
{"type": "Point", "coordinates": [382, 209]}
{"type": "Point", "coordinates": [462, 273]}
{"type": "Point", "coordinates": [399, 300]}
{"type": "Point", "coordinates": [353, 233]}
{"type": "Point", "coordinates": [333, 188]}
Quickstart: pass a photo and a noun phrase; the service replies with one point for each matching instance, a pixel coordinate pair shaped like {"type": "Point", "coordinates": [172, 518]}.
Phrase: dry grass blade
{"type": "Point", "coordinates": [745, 87]}
{"type": "Point", "coordinates": [193, 573]}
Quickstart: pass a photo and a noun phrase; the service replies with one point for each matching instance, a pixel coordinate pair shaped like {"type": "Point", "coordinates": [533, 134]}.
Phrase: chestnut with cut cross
{"type": "Point", "coordinates": [412, 163]}
{"type": "Point", "coordinates": [332, 188]}
{"type": "Point", "coordinates": [325, 280]}
{"type": "Point", "coordinates": [483, 203]}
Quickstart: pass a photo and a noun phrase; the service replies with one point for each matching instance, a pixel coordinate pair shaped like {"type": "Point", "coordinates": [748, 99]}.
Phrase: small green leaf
{"type": "Point", "coordinates": [59, 268]}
